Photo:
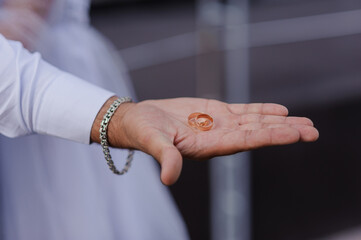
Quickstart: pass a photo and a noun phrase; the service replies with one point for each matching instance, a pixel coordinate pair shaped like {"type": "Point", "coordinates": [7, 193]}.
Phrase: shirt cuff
{"type": "Point", "coordinates": [68, 108]}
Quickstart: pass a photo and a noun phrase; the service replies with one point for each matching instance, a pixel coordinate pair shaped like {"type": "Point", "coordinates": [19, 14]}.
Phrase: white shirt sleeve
{"type": "Point", "coordinates": [36, 97]}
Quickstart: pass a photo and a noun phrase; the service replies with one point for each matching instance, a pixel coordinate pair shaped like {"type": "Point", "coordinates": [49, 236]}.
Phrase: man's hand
{"type": "Point", "coordinates": [24, 20]}
{"type": "Point", "coordinates": [160, 128]}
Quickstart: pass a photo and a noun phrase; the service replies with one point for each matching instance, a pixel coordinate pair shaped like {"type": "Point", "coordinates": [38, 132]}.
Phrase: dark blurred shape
{"type": "Point", "coordinates": [309, 191]}
{"type": "Point", "coordinates": [98, 3]}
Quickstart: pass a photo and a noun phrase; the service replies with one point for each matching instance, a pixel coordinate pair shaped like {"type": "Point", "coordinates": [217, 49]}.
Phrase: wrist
{"type": "Point", "coordinates": [116, 133]}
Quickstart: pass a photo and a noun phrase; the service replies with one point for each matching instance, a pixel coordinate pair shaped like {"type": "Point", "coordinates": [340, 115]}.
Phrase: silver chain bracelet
{"type": "Point", "coordinates": [104, 139]}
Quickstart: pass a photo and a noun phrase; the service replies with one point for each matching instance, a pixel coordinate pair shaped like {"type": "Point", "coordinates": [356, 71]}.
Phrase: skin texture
{"type": "Point", "coordinates": [160, 128]}
{"type": "Point", "coordinates": [24, 20]}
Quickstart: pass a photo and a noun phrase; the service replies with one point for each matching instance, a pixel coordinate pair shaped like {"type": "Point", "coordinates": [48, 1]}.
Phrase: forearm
{"type": "Point", "coordinates": [38, 98]}
{"type": "Point", "coordinates": [40, 7]}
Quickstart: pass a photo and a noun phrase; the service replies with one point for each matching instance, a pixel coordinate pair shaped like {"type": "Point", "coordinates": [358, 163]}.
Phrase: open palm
{"type": "Point", "coordinates": [160, 128]}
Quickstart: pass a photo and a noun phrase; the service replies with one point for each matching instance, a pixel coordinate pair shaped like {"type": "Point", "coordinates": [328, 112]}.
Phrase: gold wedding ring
{"type": "Point", "coordinates": [192, 119]}
{"type": "Point", "coordinates": [200, 121]}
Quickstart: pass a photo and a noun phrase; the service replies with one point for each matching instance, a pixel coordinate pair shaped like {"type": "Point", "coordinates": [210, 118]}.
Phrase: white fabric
{"type": "Point", "coordinates": [38, 98]}
{"type": "Point", "coordinates": [55, 189]}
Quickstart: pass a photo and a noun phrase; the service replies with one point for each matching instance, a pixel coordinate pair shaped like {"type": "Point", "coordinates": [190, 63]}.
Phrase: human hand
{"type": "Point", "coordinates": [160, 128]}
{"type": "Point", "coordinates": [21, 24]}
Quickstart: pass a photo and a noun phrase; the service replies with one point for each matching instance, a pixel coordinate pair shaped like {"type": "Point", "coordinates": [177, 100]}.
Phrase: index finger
{"type": "Point", "coordinates": [259, 108]}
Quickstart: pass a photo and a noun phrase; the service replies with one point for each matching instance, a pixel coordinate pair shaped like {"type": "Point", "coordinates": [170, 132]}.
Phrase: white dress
{"type": "Point", "coordinates": [56, 189]}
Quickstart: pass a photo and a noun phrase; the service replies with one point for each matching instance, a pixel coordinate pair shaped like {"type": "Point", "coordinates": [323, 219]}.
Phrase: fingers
{"type": "Point", "coordinates": [307, 133]}
{"type": "Point", "coordinates": [170, 159]}
{"type": "Point", "coordinates": [259, 121]}
{"type": "Point", "coordinates": [238, 141]}
{"type": "Point", "coordinates": [271, 136]}
{"type": "Point", "coordinates": [259, 118]}
{"type": "Point", "coordinates": [260, 135]}
{"type": "Point", "coordinates": [259, 108]}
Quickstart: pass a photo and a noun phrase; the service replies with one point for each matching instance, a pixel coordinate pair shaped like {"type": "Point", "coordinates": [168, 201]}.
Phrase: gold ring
{"type": "Point", "coordinates": [201, 121]}
{"type": "Point", "coordinates": [204, 122]}
{"type": "Point", "coordinates": [192, 119]}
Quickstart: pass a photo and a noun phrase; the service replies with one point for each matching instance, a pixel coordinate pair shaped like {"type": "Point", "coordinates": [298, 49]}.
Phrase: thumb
{"type": "Point", "coordinates": [170, 159]}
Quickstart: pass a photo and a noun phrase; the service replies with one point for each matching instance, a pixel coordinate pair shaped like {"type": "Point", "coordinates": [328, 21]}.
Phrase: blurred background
{"type": "Point", "coordinates": [305, 54]}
